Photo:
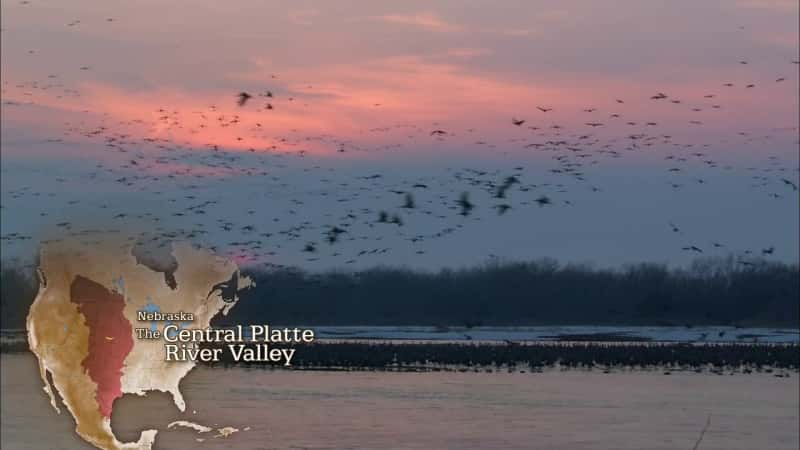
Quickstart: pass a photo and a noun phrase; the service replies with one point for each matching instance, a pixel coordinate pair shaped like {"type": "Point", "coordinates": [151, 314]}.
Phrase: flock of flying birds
{"type": "Point", "coordinates": [316, 207]}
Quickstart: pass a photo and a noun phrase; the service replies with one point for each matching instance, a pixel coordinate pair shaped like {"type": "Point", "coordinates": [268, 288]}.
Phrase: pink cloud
{"type": "Point", "coordinates": [426, 20]}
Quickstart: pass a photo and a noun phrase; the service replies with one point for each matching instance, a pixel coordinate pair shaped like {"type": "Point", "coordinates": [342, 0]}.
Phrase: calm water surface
{"type": "Point", "coordinates": [368, 410]}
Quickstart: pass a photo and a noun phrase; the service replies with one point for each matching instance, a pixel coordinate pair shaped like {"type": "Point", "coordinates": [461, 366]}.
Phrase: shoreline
{"type": "Point", "coordinates": [524, 356]}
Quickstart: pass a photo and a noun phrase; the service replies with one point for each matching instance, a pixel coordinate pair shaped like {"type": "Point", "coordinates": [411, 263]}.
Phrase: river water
{"type": "Point", "coordinates": [572, 410]}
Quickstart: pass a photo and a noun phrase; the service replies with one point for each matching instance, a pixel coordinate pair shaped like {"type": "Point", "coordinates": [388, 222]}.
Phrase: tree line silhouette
{"type": "Point", "coordinates": [710, 291]}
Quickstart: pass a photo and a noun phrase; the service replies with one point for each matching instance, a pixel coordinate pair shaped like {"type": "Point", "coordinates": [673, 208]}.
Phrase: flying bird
{"type": "Point", "coordinates": [502, 208]}
{"type": "Point", "coordinates": [409, 201]}
{"type": "Point", "coordinates": [465, 204]}
{"type": "Point", "coordinates": [243, 97]}
{"type": "Point", "coordinates": [543, 200]}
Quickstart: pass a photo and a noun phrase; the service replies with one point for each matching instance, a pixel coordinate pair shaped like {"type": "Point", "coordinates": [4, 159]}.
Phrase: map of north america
{"type": "Point", "coordinates": [81, 326]}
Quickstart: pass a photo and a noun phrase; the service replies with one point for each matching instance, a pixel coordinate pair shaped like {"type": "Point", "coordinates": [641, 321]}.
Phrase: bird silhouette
{"type": "Point", "coordinates": [502, 208]}
{"type": "Point", "coordinates": [465, 205]}
{"type": "Point", "coordinates": [789, 183]}
{"type": "Point", "coordinates": [243, 97]}
{"type": "Point", "coordinates": [409, 201]}
{"type": "Point", "coordinates": [543, 200]}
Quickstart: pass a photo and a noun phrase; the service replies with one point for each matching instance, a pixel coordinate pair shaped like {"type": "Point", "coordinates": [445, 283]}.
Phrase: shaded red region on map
{"type": "Point", "coordinates": [110, 338]}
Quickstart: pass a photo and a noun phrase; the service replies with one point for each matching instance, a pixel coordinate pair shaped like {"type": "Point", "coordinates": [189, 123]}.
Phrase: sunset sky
{"type": "Point", "coordinates": [118, 115]}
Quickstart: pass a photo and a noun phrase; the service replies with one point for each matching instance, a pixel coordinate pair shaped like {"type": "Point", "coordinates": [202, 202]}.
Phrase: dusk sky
{"type": "Point", "coordinates": [656, 131]}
